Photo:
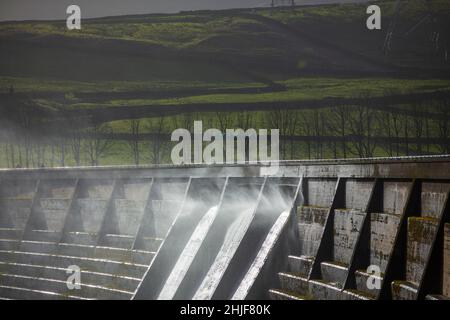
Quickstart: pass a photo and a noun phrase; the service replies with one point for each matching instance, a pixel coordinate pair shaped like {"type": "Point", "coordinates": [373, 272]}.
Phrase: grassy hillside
{"type": "Point", "coordinates": [218, 57]}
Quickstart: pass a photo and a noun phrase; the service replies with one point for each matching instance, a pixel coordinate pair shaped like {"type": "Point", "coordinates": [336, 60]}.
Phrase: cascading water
{"type": "Point", "coordinates": [211, 246]}
{"type": "Point", "coordinates": [233, 238]}
{"type": "Point", "coordinates": [188, 255]}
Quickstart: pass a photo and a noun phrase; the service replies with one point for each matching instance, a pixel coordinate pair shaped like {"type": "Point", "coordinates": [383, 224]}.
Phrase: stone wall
{"type": "Point", "coordinates": [321, 192]}
{"type": "Point", "coordinates": [311, 221]}
{"type": "Point", "coordinates": [421, 233]}
{"type": "Point", "coordinates": [347, 226]}
{"type": "Point", "coordinates": [395, 196]}
{"type": "Point", "coordinates": [383, 229]}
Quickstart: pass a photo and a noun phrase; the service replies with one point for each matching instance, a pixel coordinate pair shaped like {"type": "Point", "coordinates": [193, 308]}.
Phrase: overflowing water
{"type": "Point", "coordinates": [216, 237]}
{"type": "Point", "coordinates": [188, 255]}
{"type": "Point", "coordinates": [233, 238]}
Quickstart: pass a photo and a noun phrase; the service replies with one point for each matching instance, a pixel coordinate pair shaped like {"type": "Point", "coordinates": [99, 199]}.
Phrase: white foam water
{"type": "Point", "coordinates": [188, 255]}
{"type": "Point", "coordinates": [233, 238]}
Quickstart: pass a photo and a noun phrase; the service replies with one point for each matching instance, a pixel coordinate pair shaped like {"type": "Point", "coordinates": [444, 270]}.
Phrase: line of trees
{"type": "Point", "coordinates": [341, 131]}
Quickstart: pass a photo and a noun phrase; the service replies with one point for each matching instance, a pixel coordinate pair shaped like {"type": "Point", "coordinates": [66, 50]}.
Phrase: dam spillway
{"type": "Point", "coordinates": [315, 230]}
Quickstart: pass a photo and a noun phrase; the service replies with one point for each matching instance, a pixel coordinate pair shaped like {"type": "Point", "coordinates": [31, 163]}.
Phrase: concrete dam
{"type": "Point", "coordinates": [361, 229]}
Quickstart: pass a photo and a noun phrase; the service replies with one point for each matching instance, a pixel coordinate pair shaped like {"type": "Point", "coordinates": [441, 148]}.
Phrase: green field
{"type": "Point", "coordinates": [246, 56]}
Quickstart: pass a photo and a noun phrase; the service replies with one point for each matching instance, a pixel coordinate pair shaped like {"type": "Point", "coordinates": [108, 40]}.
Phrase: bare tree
{"type": "Point", "coordinates": [133, 143]}
{"type": "Point", "coordinates": [97, 145]}
{"type": "Point", "coordinates": [188, 121]}
{"type": "Point", "coordinates": [292, 128]}
{"type": "Point", "coordinates": [75, 147]}
{"type": "Point", "coordinates": [397, 125]}
{"type": "Point", "coordinates": [279, 119]}
{"type": "Point", "coordinates": [340, 115]}
{"type": "Point", "coordinates": [6, 153]}
{"type": "Point", "coordinates": [245, 120]}
{"type": "Point", "coordinates": [362, 128]}
{"type": "Point", "coordinates": [306, 129]}
{"type": "Point", "coordinates": [62, 151]}
{"type": "Point", "coordinates": [318, 130]}
{"type": "Point", "coordinates": [443, 126]}
{"type": "Point", "coordinates": [26, 123]}
{"type": "Point", "coordinates": [385, 122]}
{"type": "Point", "coordinates": [225, 120]}
{"type": "Point", "coordinates": [418, 126]}
{"type": "Point", "coordinates": [157, 127]}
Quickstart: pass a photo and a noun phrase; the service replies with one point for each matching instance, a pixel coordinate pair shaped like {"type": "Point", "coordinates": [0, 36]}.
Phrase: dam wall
{"type": "Point", "coordinates": [355, 229]}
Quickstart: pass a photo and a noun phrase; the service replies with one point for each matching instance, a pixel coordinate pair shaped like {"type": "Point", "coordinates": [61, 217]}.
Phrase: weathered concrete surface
{"type": "Point", "coordinates": [133, 256]}
{"type": "Point", "coordinates": [80, 237]}
{"type": "Point", "coordinates": [127, 216]}
{"type": "Point", "coordinates": [172, 190]}
{"type": "Point", "coordinates": [132, 172]}
{"type": "Point", "coordinates": [321, 192]}
{"type": "Point", "coordinates": [383, 230]}
{"type": "Point", "coordinates": [88, 277]}
{"type": "Point", "coordinates": [433, 199]}
{"type": "Point", "coordinates": [399, 167]}
{"type": "Point", "coordinates": [98, 189]}
{"type": "Point", "coordinates": [300, 265]}
{"type": "Point", "coordinates": [14, 212]}
{"type": "Point", "coordinates": [10, 233]}
{"type": "Point", "coordinates": [124, 267]}
{"type": "Point", "coordinates": [16, 199]}
{"type": "Point", "coordinates": [334, 273]}
{"type": "Point", "coordinates": [436, 297]}
{"type": "Point", "coordinates": [136, 190]}
{"type": "Point", "coordinates": [53, 220]}
{"type": "Point", "coordinates": [39, 269]}
{"type": "Point", "coordinates": [164, 213]}
{"type": "Point", "coordinates": [117, 240]}
{"type": "Point", "coordinates": [311, 222]}
{"type": "Point", "coordinates": [295, 283]}
{"type": "Point", "coordinates": [357, 193]}
{"type": "Point", "coordinates": [90, 264]}
{"type": "Point", "coordinates": [51, 214]}
{"type": "Point", "coordinates": [296, 287]}
{"type": "Point", "coordinates": [313, 289]}
{"type": "Point", "coordinates": [446, 276]}
{"type": "Point", "coordinates": [18, 189]}
{"type": "Point", "coordinates": [324, 291]}
{"type": "Point", "coordinates": [421, 234]}
{"type": "Point", "coordinates": [151, 244]}
{"type": "Point", "coordinates": [54, 203]}
{"type": "Point", "coordinates": [57, 189]}
{"type": "Point", "coordinates": [404, 290]}
{"type": "Point", "coordinates": [347, 226]}
{"type": "Point", "coordinates": [90, 214]}
{"type": "Point", "coordinates": [395, 196]}
{"type": "Point", "coordinates": [57, 286]}
{"type": "Point", "coordinates": [284, 295]}
{"type": "Point", "coordinates": [392, 168]}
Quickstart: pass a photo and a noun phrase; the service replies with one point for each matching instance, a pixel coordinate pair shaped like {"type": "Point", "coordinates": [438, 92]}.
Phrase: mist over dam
{"type": "Point", "coordinates": [361, 229]}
